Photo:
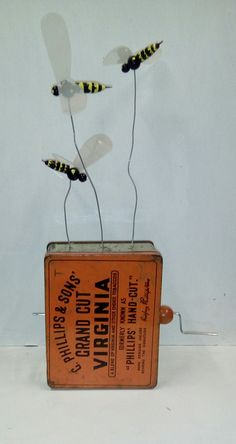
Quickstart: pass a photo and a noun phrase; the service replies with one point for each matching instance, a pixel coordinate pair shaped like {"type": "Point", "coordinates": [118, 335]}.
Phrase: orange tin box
{"type": "Point", "coordinates": [102, 314]}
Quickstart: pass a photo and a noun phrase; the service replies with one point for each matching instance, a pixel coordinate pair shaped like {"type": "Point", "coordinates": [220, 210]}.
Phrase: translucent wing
{"type": "Point", "coordinates": [118, 55]}
{"type": "Point", "coordinates": [93, 149]}
{"type": "Point", "coordinates": [57, 42]}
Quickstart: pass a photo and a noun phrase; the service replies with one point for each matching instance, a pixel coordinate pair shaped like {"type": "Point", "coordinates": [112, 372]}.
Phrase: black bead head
{"type": "Point", "coordinates": [125, 67]}
{"type": "Point", "coordinates": [55, 90]}
{"type": "Point", "coordinates": [82, 177]}
{"type": "Point", "coordinates": [73, 174]}
{"type": "Point", "coordinates": [134, 62]}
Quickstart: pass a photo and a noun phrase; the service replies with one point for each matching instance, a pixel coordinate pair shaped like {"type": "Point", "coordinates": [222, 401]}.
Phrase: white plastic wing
{"type": "Point", "coordinates": [57, 42]}
{"type": "Point", "coordinates": [93, 150]}
{"type": "Point", "coordinates": [118, 55]}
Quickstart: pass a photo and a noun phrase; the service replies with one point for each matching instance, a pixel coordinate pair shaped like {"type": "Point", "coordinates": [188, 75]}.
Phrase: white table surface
{"type": "Point", "coordinates": [193, 403]}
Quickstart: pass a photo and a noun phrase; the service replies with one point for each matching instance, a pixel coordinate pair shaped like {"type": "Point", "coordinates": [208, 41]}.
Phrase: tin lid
{"type": "Point", "coordinates": [96, 247]}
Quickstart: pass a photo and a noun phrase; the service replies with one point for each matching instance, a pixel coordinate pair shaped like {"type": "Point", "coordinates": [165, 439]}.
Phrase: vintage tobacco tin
{"type": "Point", "coordinates": [102, 314]}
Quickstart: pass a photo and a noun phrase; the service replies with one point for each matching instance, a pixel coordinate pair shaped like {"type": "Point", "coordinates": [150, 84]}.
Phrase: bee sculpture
{"type": "Point", "coordinates": [71, 171]}
{"type": "Point", "coordinates": [92, 151]}
{"type": "Point", "coordinates": [69, 88]}
{"type": "Point", "coordinates": [73, 93]}
{"type": "Point", "coordinates": [134, 61]}
{"type": "Point", "coordinates": [124, 56]}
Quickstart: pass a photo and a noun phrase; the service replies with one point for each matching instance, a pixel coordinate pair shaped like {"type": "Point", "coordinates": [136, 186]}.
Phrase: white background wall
{"type": "Point", "coordinates": [184, 161]}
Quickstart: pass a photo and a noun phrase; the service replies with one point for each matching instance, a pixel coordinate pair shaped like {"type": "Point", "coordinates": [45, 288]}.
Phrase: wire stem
{"type": "Point", "coordinates": [65, 213]}
{"type": "Point", "coordinates": [87, 174]}
{"type": "Point", "coordinates": [129, 162]}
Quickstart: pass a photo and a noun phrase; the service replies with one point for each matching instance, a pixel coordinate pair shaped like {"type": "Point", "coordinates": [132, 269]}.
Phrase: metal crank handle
{"type": "Point", "coordinates": [167, 314]}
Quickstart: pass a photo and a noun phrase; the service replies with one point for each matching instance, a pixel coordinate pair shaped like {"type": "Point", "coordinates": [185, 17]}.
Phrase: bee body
{"type": "Point", "coordinates": [135, 60]}
{"type": "Point", "coordinates": [71, 171]}
{"type": "Point", "coordinates": [57, 166]}
{"type": "Point", "coordinates": [91, 87]}
{"type": "Point", "coordinates": [68, 89]}
{"type": "Point", "coordinates": [148, 51]}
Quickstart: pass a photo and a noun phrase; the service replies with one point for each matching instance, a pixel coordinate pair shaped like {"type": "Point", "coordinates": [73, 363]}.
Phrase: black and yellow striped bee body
{"type": "Point", "coordinates": [91, 87]}
{"type": "Point", "coordinates": [57, 166]}
{"type": "Point", "coordinates": [135, 60]}
{"type": "Point", "coordinates": [71, 171]}
{"type": "Point", "coordinates": [68, 89]}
